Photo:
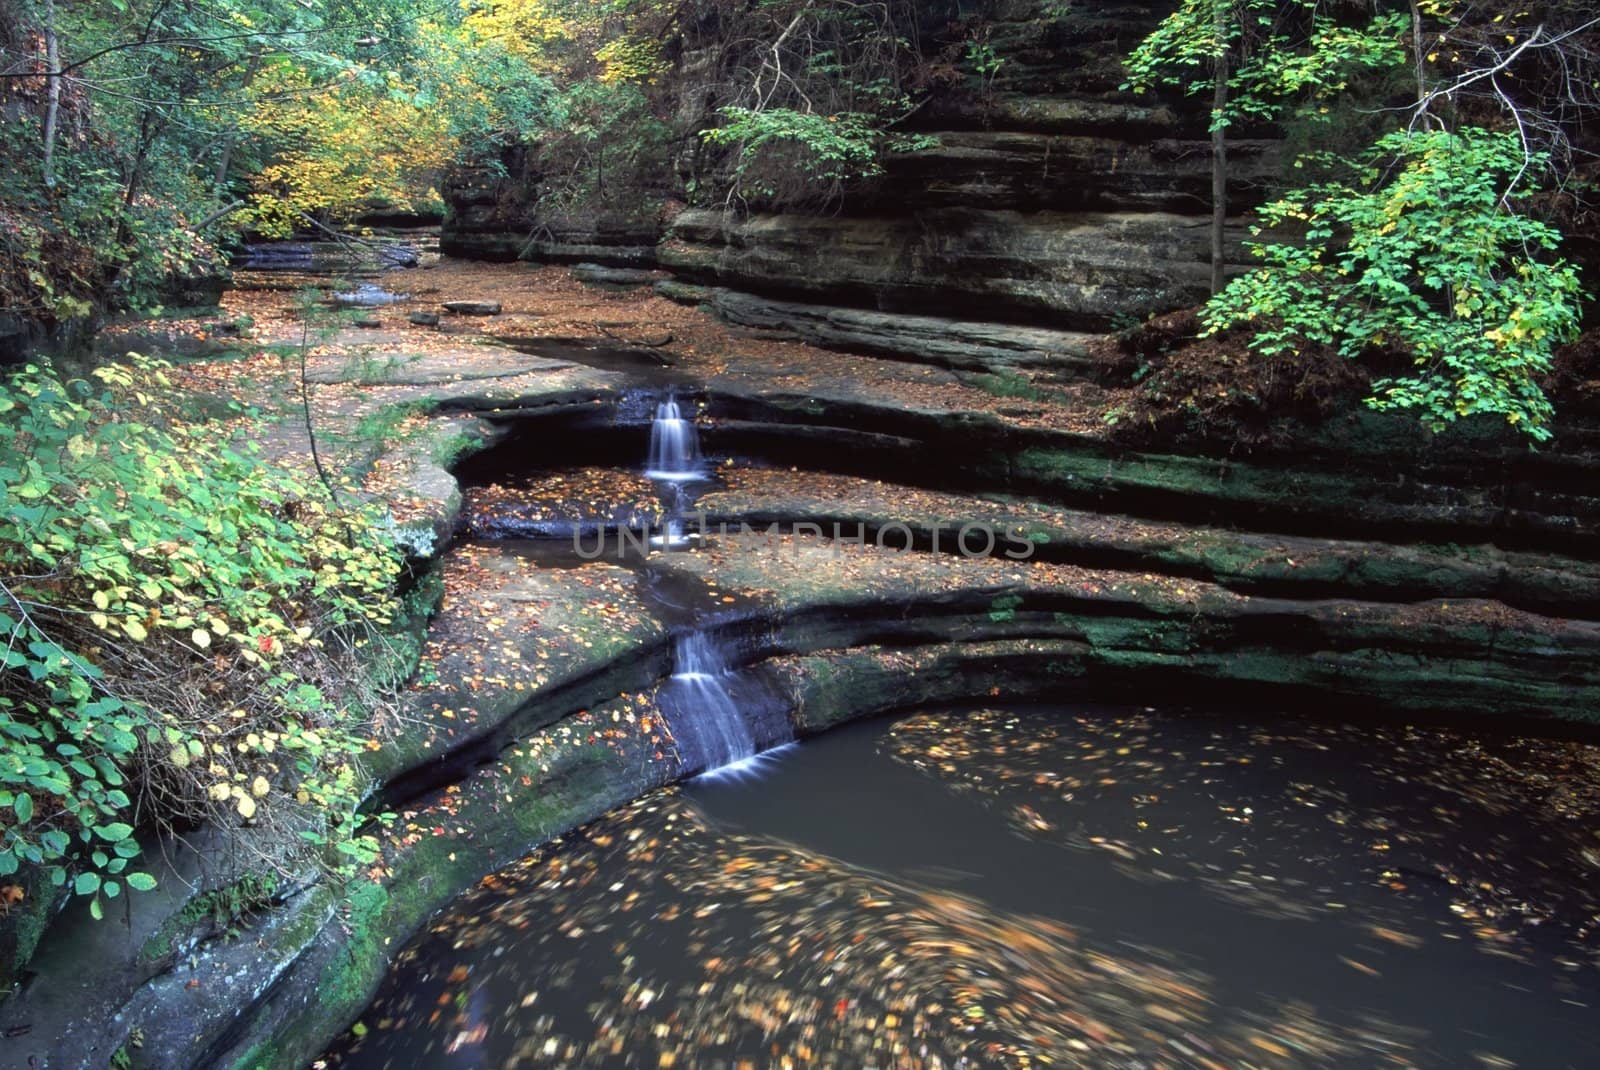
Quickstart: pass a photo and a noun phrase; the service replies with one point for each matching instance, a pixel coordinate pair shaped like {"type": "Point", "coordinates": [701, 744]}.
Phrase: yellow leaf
{"type": "Point", "coordinates": [246, 806]}
{"type": "Point", "coordinates": [136, 630]}
{"type": "Point", "coordinates": [201, 637]}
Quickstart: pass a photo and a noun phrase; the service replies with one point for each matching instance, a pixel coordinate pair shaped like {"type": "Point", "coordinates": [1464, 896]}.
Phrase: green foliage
{"type": "Point", "coordinates": [1317, 68]}
{"type": "Point", "coordinates": [600, 143]}
{"type": "Point", "coordinates": [1427, 253]}
{"type": "Point", "coordinates": [180, 618]}
{"type": "Point", "coordinates": [177, 122]}
{"type": "Point", "coordinates": [221, 908]}
{"type": "Point", "coordinates": [833, 148]}
{"type": "Point", "coordinates": [821, 86]}
{"type": "Point", "coordinates": [984, 60]}
{"type": "Point", "coordinates": [1283, 52]}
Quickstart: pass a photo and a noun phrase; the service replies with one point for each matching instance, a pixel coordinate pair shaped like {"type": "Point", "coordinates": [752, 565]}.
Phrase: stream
{"type": "Point", "coordinates": [1006, 884]}
{"type": "Point", "coordinates": [1015, 886]}
{"type": "Point", "coordinates": [1023, 887]}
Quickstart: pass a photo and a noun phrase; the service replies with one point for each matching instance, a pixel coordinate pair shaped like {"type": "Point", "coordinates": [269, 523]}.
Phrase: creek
{"type": "Point", "coordinates": [1014, 885]}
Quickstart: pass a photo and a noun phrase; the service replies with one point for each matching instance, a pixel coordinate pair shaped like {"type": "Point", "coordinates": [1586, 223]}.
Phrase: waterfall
{"type": "Point", "coordinates": [714, 730]}
{"type": "Point", "coordinates": [673, 534]}
{"type": "Point", "coordinates": [705, 721]}
{"type": "Point", "coordinates": [674, 445]}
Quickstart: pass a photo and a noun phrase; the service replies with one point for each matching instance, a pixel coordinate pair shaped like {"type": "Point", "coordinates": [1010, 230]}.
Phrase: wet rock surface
{"type": "Point", "coordinates": [537, 708]}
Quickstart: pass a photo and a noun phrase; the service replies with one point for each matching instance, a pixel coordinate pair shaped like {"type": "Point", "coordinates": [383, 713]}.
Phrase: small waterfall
{"type": "Point", "coordinates": [705, 721]}
{"type": "Point", "coordinates": [673, 535]}
{"type": "Point", "coordinates": [674, 445]}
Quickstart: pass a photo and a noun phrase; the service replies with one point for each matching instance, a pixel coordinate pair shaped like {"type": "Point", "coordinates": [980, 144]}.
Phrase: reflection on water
{"type": "Point", "coordinates": [1000, 889]}
{"type": "Point", "coordinates": [1488, 839]}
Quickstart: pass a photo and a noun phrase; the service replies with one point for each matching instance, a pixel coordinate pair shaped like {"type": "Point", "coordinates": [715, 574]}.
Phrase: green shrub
{"type": "Point", "coordinates": [183, 625]}
{"type": "Point", "coordinates": [1426, 253]}
{"type": "Point", "coordinates": [825, 153]}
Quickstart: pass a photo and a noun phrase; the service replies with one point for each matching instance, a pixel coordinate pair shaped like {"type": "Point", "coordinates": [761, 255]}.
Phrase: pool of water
{"type": "Point", "coordinates": [1028, 887]}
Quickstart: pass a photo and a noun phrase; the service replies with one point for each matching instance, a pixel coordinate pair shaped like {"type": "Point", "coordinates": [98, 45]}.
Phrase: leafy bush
{"type": "Point", "coordinates": [827, 152]}
{"type": "Point", "coordinates": [1427, 254]}
{"type": "Point", "coordinates": [602, 144]}
{"type": "Point", "coordinates": [182, 621]}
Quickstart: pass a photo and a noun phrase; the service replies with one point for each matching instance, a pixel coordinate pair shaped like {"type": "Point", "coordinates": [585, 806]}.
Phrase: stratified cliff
{"type": "Point", "coordinates": [1049, 198]}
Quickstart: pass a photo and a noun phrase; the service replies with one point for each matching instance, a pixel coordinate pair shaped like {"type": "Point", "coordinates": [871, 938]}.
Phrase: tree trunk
{"type": "Point", "coordinates": [52, 109]}
{"type": "Point", "coordinates": [219, 181]}
{"type": "Point", "coordinates": [1422, 62]}
{"type": "Point", "coordinates": [1219, 154]}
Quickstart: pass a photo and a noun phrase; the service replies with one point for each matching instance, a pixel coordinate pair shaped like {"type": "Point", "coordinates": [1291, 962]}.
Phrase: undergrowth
{"type": "Point", "coordinates": [186, 627]}
{"type": "Point", "coordinates": [1217, 389]}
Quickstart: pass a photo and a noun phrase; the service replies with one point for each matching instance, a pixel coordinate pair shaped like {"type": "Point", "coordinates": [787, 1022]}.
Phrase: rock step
{"type": "Point", "coordinates": [1370, 478]}
{"type": "Point", "coordinates": [967, 345]}
{"type": "Point", "coordinates": [1075, 270]}
{"type": "Point", "coordinates": [1286, 567]}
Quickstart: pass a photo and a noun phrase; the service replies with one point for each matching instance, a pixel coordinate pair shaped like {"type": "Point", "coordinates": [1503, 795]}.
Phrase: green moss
{"type": "Point", "coordinates": [1012, 385]}
{"type": "Point", "coordinates": [219, 909]}
{"type": "Point", "coordinates": [309, 920]}
{"type": "Point", "coordinates": [23, 925]}
{"type": "Point", "coordinates": [1004, 608]}
{"type": "Point", "coordinates": [348, 979]}
{"type": "Point", "coordinates": [1191, 476]}
{"type": "Point", "coordinates": [262, 1056]}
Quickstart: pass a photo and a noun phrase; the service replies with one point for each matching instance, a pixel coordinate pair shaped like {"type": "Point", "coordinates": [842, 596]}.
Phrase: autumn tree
{"type": "Point", "coordinates": [138, 130]}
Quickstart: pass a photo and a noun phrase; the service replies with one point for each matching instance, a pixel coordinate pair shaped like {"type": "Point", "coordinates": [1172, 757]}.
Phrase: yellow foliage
{"type": "Point", "coordinates": [340, 147]}
{"type": "Point", "coordinates": [630, 59]}
{"type": "Point", "coordinates": [527, 28]}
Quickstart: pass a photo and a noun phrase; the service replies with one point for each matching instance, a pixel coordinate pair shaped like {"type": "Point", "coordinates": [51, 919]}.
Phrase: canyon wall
{"type": "Point", "coordinates": [1049, 197]}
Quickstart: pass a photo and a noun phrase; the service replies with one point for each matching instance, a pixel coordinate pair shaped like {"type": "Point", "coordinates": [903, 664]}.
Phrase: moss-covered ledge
{"type": "Point", "coordinates": [1288, 566]}
{"type": "Point", "coordinates": [1466, 657]}
{"type": "Point", "coordinates": [553, 782]}
{"type": "Point", "coordinates": [1374, 477]}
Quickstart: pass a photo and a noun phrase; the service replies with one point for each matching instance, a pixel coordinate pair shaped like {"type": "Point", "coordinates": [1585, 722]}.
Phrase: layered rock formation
{"type": "Point", "coordinates": [1321, 581]}
{"type": "Point", "coordinates": [1048, 198]}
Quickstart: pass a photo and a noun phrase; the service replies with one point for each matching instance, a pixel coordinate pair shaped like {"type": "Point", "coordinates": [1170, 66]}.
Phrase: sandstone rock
{"type": "Point", "coordinates": [473, 308]}
{"type": "Point", "coordinates": [424, 319]}
{"type": "Point", "coordinates": [1073, 271]}
{"type": "Point", "coordinates": [602, 275]}
{"type": "Point", "coordinates": [965, 344]}
{"type": "Point", "coordinates": [684, 293]}
{"type": "Point", "coordinates": [1098, 170]}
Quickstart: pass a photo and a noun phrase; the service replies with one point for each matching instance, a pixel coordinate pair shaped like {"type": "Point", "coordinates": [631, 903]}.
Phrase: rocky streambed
{"type": "Point", "coordinates": [874, 536]}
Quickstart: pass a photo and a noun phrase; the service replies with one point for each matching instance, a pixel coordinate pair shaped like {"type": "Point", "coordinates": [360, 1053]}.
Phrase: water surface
{"type": "Point", "coordinates": [1090, 887]}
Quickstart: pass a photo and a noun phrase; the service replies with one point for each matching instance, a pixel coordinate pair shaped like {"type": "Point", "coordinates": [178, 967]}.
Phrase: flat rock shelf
{"type": "Point", "coordinates": [1106, 757]}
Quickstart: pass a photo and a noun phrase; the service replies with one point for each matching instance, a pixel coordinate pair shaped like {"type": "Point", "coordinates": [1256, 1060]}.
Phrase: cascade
{"type": "Point", "coordinates": [715, 732]}
{"type": "Point", "coordinates": [673, 534]}
{"type": "Point", "coordinates": [705, 721]}
{"type": "Point", "coordinates": [674, 445]}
